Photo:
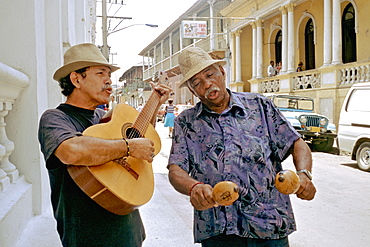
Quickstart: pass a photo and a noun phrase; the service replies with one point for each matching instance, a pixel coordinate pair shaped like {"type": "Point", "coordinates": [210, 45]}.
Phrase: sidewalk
{"type": "Point", "coordinates": [167, 217]}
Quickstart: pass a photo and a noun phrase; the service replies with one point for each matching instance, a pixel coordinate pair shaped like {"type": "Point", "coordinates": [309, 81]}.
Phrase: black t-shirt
{"type": "Point", "coordinates": [80, 220]}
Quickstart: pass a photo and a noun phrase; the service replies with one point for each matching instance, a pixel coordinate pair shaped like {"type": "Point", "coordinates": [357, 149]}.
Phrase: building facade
{"type": "Point", "coordinates": [162, 53]}
{"type": "Point", "coordinates": [35, 35]}
{"type": "Point", "coordinates": [330, 38]}
{"type": "Point", "coordinates": [134, 90]}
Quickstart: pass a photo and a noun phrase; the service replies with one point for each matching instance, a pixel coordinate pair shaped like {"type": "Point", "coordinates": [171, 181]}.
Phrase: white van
{"type": "Point", "coordinates": [354, 125]}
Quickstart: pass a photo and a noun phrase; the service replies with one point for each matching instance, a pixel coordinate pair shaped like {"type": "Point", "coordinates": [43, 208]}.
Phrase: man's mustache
{"type": "Point", "coordinates": [210, 90]}
{"type": "Point", "coordinates": [106, 87]}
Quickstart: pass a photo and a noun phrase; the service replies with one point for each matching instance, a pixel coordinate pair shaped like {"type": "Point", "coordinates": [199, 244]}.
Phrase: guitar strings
{"type": "Point", "coordinates": [143, 120]}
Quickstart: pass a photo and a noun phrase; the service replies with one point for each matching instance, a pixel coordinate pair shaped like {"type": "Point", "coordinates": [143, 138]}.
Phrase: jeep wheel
{"type": "Point", "coordinates": [324, 146]}
{"type": "Point", "coordinates": [363, 156]}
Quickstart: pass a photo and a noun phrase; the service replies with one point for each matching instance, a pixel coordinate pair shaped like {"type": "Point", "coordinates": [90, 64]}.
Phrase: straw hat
{"type": "Point", "coordinates": [81, 56]}
{"type": "Point", "coordinates": [193, 60]}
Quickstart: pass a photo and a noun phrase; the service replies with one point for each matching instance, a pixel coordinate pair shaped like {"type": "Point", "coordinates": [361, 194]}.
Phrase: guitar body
{"type": "Point", "coordinates": [119, 188]}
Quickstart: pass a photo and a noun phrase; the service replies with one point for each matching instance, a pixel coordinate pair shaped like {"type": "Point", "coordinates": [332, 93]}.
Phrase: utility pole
{"type": "Point", "coordinates": [105, 49]}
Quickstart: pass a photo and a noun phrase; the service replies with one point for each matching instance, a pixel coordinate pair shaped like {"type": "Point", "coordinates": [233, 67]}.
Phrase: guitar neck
{"type": "Point", "coordinates": [147, 113]}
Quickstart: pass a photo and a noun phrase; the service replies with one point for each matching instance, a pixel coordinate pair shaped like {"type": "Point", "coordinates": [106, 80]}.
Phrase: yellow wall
{"type": "Point", "coordinates": [302, 14]}
{"type": "Point", "coordinates": [308, 9]}
{"type": "Point", "coordinates": [363, 34]}
{"type": "Point", "coordinates": [247, 55]}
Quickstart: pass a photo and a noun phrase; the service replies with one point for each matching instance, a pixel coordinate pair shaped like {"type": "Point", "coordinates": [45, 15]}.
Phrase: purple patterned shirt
{"type": "Point", "coordinates": [245, 144]}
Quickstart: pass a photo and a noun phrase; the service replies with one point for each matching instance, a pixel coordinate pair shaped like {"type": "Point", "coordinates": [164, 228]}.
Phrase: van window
{"type": "Point", "coordinates": [359, 100]}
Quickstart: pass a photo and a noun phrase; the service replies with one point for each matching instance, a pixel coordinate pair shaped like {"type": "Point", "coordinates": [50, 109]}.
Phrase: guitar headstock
{"type": "Point", "coordinates": [161, 77]}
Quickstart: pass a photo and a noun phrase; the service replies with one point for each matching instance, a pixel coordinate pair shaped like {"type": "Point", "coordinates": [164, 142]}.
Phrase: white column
{"type": "Point", "coordinates": [170, 48]}
{"type": "Point", "coordinates": [238, 72]}
{"type": "Point", "coordinates": [155, 55]}
{"type": "Point", "coordinates": [337, 33]}
{"type": "Point", "coordinates": [284, 48]}
{"type": "Point", "coordinates": [254, 52]}
{"type": "Point", "coordinates": [327, 32]}
{"type": "Point", "coordinates": [259, 49]}
{"type": "Point", "coordinates": [151, 59]}
{"type": "Point", "coordinates": [211, 23]}
{"type": "Point", "coordinates": [180, 36]}
{"type": "Point", "coordinates": [291, 47]}
{"type": "Point", "coordinates": [162, 54]}
{"type": "Point", "coordinates": [232, 58]}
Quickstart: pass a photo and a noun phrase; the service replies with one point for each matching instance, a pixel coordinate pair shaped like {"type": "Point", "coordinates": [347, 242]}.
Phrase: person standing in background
{"type": "Point", "coordinates": [271, 71]}
{"type": "Point", "coordinates": [169, 116]}
{"type": "Point", "coordinates": [299, 68]}
{"type": "Point", "coordinates": [140, 107]}
{"type": "Point", "coordinates": [112, 103]}
{"type": "Point", "coordinates": [278, 68]}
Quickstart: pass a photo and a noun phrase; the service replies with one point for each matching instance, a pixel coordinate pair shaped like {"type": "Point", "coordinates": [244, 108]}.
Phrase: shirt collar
{"type": "Point", "coordinates": [233, 103]}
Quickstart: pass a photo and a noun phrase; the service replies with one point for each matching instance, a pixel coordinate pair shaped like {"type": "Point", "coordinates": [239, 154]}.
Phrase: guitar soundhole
{"type": "Point", "coordinates": [132, 133]}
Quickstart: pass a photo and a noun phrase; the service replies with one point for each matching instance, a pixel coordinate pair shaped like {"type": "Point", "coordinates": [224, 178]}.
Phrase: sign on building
{"type": "Point", "coordinates": [194, 29]}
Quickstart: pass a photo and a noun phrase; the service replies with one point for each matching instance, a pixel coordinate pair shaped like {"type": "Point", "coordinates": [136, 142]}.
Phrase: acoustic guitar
{"type": "Point", "coordinates": [121, 186]}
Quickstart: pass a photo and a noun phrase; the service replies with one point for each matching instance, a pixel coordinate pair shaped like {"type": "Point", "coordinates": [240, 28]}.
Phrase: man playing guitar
{"type": "Point", "coordinates": [85, 81]}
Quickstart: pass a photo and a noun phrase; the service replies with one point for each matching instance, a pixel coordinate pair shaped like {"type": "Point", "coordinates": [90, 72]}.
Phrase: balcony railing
{"type": "Point", "coordinates": [353, 74]}
{"type": "Point", "coordinates": [220, 43]}
{"type": "Point", "coordinates": [306, 80]}
{"type": "Point", "coordinates": [343, 75]}
{"type": "Point", "coordinates": [132, 87]}
{"type": "Point", "coordinates": [12, 83]}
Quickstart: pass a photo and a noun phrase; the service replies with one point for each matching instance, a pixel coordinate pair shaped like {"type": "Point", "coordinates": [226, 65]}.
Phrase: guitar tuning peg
{"type": "Point", "coordinates": [160, 77]}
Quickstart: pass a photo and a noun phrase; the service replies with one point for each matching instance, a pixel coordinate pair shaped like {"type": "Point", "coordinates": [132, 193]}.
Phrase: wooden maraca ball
{"type": "Point", "coordinates": [225, 193]}
{"type": "Point", "coordinates": [287, 182]}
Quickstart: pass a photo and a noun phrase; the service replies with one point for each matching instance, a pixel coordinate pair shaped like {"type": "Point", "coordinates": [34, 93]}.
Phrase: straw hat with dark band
{"type": "Point", "coordinates": [193, 60]}
{"type": "Point", "coordinates": [81, 56]}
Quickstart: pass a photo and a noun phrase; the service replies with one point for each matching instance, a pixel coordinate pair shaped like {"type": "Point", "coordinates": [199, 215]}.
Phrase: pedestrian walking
{"type": "Point", "coordinates": [169, 117]}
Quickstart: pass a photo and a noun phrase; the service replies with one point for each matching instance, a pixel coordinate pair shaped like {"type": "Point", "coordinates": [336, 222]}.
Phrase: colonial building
{"type": "Point", "coordinates": [35, 35]}
{"type": "Point", "coordinates": [134, 90]}
{"type": "Point", "coordinates": [162, 53]}
{"type": "Point", "coordinates": [330, 38]}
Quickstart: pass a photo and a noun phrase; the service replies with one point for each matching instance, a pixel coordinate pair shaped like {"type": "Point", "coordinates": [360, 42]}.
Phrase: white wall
{"type": "Point", "coordinates": [34, 36]}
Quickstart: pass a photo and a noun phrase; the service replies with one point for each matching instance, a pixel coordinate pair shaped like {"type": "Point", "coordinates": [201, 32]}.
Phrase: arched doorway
{"type": "Point", "coordinates": [349, 53]}
{"type": "Point", "coordinates": [309, 45]}
{"type": "Point", "coordinates": [278, 47]}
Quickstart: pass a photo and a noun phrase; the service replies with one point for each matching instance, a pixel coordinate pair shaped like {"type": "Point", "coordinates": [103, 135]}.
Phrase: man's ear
{"type": "Point", "coordinates": [74, 79]}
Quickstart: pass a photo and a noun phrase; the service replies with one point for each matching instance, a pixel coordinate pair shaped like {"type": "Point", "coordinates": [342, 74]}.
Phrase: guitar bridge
{"type": "Point", "coordinates": [124, 164]}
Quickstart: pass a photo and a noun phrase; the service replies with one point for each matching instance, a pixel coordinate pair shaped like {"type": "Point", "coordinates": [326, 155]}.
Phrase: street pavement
{"type": "Point", "coordinates": [167, 216]}
{"type": "Point", "coordinates": [337, 217]}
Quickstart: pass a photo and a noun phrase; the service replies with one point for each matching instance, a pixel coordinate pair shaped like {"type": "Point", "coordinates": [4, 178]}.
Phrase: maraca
{"type": "Point", "coordinates": [225, 193]}
{"type": "Point", "coordinates": [287, 182]}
